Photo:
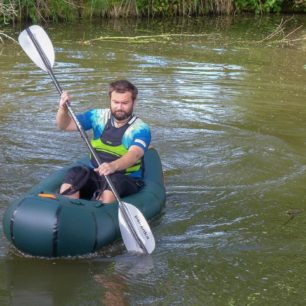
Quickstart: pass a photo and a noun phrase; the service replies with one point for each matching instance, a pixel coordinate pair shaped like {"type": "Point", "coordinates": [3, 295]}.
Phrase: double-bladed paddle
{"type": "Point", "coordinates": [135, 231]}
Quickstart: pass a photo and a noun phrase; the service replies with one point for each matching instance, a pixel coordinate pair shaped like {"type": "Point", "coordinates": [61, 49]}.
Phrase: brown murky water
{"type": "Point", "coordinates": [229, 119]}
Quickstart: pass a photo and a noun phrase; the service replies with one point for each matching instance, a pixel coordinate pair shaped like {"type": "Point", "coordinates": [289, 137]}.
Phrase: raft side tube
{"type": "Point", "coordinates": [55, 226]}
{"type": "Point", "coordinates": [29, 228]}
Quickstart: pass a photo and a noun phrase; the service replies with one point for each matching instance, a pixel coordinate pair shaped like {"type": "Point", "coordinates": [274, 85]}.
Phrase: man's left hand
{"type": "Point", "coordinates": [105, 169]}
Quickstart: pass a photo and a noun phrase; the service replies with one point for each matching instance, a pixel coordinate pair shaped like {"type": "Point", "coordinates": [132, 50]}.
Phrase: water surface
{"type": "Point", "coordinates": [228, 119]}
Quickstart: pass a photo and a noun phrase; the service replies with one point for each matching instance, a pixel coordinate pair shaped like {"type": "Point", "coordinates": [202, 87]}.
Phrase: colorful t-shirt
{"type": "Point", "coordinates": [137, 134]}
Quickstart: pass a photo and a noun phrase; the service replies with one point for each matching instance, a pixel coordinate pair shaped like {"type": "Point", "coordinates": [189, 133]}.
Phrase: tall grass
{"type": "Point", "coordinates": [68, 10]}
{"type": "Point", "coordinates": [8, 11]}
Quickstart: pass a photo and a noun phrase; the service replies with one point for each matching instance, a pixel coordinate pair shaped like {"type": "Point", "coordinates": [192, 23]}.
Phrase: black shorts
{"type": "Point", "coordinates": [89, 183]}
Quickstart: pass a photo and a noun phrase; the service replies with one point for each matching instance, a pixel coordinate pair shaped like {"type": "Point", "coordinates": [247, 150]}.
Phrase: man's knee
{"type": "Point", "coordinates": [74, 180]}
{"type": "Point", "coordinates": [66, 191]}
{"type": "Point", "coordinates": [106, 197]}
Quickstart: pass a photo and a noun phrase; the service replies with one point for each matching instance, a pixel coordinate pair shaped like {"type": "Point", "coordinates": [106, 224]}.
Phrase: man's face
{"type": "Point", "coordinates": [121, 105]}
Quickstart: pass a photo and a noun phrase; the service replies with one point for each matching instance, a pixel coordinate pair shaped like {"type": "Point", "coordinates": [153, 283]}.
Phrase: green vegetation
{"type": "Point", "coordinates": [12, 11]}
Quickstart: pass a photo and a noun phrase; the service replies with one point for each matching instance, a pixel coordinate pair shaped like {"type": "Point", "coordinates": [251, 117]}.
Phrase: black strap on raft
{"type": "Point", "coordinates": [81, 175]}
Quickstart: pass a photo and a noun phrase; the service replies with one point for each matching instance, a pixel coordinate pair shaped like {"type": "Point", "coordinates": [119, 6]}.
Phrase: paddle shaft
{"type": "Point", "coordinates": [122, 206]}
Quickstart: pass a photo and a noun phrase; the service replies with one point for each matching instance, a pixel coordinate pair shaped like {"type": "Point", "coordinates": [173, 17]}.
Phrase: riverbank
{"type": "Point", "coordinates": [275, 30]}
{"type": "Point", "coordinates": [12, 12]}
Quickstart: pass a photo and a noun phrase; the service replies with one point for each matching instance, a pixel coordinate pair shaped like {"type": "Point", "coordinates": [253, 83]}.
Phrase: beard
{"type": "Point", "coordinates": [121, 115]}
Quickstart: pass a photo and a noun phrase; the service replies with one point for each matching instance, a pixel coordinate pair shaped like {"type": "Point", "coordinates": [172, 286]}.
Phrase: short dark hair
{"type": "Point", "coordinates": [123, 86]}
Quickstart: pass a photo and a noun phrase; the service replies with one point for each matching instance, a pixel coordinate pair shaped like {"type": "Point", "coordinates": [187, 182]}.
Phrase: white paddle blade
{"type": "Point", "coordinates": [140, 229]}
{"type": "Point", "coordinates": [30, 49]}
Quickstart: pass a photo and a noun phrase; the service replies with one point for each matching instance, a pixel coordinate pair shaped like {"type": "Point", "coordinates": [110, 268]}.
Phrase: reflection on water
{"type": "Point", "coordinates": [36, 282]}
{"type": "Point", "coordinates": [228, 118]}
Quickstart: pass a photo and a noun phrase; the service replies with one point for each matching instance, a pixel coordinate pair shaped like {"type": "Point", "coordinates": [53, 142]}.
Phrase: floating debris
{"type": "Point", "coordinates": [292, 213]}
{"type": "Point", "coordinates": [143, 38]}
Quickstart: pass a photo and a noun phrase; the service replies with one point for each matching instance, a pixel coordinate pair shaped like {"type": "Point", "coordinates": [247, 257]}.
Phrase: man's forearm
{"type": "Point", "coordinates": [63, 118]}
{"type": "Point", "coordinates": [127, 160]}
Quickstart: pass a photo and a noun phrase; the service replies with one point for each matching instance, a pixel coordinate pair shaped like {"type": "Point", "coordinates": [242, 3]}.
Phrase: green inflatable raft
{"type": "Point", "coordinates": [46, 224]}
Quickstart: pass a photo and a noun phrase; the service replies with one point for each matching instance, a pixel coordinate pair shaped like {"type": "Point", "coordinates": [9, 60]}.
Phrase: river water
{"type": "Point", "coordinates": [228, 117]}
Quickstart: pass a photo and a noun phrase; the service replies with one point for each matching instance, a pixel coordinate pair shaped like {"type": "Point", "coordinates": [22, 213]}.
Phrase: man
{"type": "Point", "coordinates": [120, 139]}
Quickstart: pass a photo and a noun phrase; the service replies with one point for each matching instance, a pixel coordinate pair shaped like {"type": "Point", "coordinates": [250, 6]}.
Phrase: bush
{"type": "Point", "coordinates": [68, 10]}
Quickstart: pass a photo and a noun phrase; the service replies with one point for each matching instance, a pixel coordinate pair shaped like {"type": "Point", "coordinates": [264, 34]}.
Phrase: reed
{"type": "Point", "coordinates": [110, 8]}
{"type": "Point", "coordinates": [69, 10]}
{"type": "Point", "coordinates": [8, 12]}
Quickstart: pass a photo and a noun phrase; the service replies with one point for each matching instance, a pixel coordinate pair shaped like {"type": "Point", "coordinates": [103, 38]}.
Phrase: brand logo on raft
{"type": "Point", "coordinates": [141, 226]}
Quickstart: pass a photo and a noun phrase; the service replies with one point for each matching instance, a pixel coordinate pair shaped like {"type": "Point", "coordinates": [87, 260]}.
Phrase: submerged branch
{"type": "Point", "coordinates": [142, 38]}
{"type": "Point", "coordinates": [3, 35]}
{"type": "Point", "coordinates": [279, 35]}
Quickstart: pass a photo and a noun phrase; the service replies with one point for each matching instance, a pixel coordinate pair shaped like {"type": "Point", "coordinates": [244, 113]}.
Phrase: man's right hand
{"type": "Point", "coordinates": [65, 99]}
{"type": "Point", "coordinates": [63, 119]}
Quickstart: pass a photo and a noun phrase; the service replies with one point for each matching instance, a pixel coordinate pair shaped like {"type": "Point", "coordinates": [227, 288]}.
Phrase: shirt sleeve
{"type": "Point", "coordinates": [85, 119]}
{"type": "Point", "coordinates": [94, 119]}
{"type": "Point", "coordinates": [140, 135]}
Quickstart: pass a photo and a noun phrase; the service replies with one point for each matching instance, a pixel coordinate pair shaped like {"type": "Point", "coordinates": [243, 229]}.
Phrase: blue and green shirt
{"type": "Point", "coordinates": [136, 134]}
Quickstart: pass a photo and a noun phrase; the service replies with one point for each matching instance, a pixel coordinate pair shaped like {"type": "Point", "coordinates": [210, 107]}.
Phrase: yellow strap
{"type": "Point", "coordinates": [47, 195]}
